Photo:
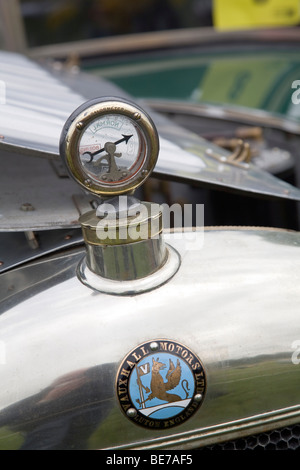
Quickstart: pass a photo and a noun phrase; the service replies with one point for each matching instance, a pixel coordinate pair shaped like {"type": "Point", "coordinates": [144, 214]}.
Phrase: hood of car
{"type": "Point", "coordinates": [37, 103]}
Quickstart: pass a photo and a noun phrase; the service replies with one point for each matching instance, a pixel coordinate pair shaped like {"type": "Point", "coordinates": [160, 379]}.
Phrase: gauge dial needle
{"type": "Point", "coordinates": [125, 139]}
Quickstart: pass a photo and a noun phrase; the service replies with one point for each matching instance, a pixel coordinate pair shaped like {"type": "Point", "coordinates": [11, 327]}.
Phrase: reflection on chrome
{"type": "Point", "coordinates": [64, 415]}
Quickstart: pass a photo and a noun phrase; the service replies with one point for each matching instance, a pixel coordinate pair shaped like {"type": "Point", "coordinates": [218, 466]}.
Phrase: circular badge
{"type": "Point", "coordinates": [160, 384]}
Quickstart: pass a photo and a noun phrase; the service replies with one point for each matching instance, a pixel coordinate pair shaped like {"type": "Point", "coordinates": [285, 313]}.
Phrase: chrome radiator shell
{"type": "Point", "coordinates": [234, 302]}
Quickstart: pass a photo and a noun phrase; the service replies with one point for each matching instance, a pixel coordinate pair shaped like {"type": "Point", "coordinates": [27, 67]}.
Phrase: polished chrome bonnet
{"type": "Point", "coordinates": [234, 302]}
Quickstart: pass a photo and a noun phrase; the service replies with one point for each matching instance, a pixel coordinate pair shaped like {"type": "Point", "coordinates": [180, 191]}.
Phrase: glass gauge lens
{"type": "Point", "coordinates": [110, 146]}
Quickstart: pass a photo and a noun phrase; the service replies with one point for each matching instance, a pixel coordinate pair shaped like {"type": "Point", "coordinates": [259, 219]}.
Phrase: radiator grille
{"type": "Point", "coordinates": [287, 438]}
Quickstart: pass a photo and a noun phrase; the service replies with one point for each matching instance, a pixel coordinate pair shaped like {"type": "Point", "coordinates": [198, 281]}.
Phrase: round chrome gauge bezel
{"type": "Point", "coordinates": [146, 137]}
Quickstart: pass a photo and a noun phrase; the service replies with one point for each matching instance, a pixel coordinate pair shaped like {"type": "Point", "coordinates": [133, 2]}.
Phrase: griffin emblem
{"type": "Point", "coordinates": [160, 388]}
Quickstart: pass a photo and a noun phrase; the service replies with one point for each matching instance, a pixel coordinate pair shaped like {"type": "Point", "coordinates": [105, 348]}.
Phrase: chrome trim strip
{"type": "Point", "coordinates": [221, 433]}
{"type": "Point", "coordinates": [158, 40]}
{"type": "Point", "coordinates": [225, 113]}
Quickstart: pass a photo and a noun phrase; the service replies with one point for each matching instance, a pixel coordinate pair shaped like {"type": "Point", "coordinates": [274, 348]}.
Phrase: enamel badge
{"type": "Point", "coordinates": [160, 384]}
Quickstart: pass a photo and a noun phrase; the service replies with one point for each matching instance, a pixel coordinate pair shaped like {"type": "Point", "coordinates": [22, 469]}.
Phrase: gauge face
{"type": "Point", "coordinates": [110, 146]}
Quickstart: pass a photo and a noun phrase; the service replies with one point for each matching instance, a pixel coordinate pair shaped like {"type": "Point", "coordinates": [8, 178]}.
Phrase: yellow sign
{"type": "Point", "coordinates": [245, 14]}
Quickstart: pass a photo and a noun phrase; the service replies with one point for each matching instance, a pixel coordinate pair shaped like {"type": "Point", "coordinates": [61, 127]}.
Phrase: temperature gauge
{"type": "Point", "coordinates": [110, 146]}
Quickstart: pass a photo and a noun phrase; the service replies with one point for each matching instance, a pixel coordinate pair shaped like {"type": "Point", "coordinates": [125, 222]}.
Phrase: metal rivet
{"type": "Point", "coordinates": [27, 207]}
{"type": "Point", "coordinates": [131, 413]}
{"type": "Point", "coordinates": [79, 126]}
{"type": "Point", "coordinates": [198, 397]}
{"type": "Point", "coordinates": [87, 182]}
{"type": "Point", "coordinates": [154, 346]}
{"type": "Point", "coordinates": [137, 116]}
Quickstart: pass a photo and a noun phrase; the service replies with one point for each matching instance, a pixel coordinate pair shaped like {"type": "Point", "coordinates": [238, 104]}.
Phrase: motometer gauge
{"type": "Point", "coordinates": [110, 146]}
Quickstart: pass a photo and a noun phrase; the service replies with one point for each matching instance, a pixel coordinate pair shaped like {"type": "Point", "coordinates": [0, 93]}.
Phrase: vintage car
{"type": "Point", "coordinates": [149, 296]}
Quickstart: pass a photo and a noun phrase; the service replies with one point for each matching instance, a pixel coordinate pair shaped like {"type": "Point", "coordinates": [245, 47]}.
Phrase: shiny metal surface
{"type": "Point", "coordinates": [226, 112]}
{"type": "Point", "coordinates": [234, 302]}
{"type": "Point", "coordinates": [157, 40]}
{"type": "Point", "coordinates": [36, 104]}
{"type": "Point", "coordinates": [127, 262]}
{"type": "Point", "coordinates": [121, 220]}
{"type": "Point", "coordinates": [123, 243]}
{"type": "Point", "coordinates": [35, 184]}
{"type": "Point", "coordinates": [200, 168]}
{"type": "Point", "coordinates": [32, 120]}
{"type": "Point", "coordinates": [133, 286]}
{"type": "Point", "coordinates": [16, 250]}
